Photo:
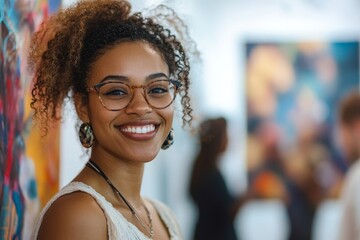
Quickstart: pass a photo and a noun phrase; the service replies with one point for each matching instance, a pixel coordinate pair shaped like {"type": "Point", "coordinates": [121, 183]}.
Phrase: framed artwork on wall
{"type": "Point", "coordinates": [293, 89]}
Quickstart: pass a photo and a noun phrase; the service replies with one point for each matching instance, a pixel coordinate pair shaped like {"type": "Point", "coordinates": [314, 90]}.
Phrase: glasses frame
{"type": "Point", "coordinates": [96, 88]}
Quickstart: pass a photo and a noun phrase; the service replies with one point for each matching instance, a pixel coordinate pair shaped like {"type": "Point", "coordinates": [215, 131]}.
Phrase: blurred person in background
{"type": "Point", "coordinates": [264, 160]}
{"type": "Point", "coordinates": [217, 207]}
{"type": "Point", "coordinates": [288, 174]}
{"type": "Point", "coordinates": [305, 193]}
{"type": "Point", "coordinates": [349, 136]}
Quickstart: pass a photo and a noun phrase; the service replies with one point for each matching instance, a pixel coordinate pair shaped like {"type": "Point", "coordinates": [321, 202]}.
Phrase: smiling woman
{"type": "Point", "coordinates": [123, 72]}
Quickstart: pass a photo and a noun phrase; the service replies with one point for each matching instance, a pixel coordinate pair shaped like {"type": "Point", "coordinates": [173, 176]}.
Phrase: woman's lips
{"type": "Point", "coordinates": [139, 132]}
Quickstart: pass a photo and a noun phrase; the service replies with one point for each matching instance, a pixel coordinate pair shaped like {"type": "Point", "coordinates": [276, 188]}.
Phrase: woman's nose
{"type": "Point", "coordinates": [138, 104]}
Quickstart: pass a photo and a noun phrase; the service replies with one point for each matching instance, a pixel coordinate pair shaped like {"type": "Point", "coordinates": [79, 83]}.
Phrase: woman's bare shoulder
{"type": "Point", "coordinates": [74, 216]}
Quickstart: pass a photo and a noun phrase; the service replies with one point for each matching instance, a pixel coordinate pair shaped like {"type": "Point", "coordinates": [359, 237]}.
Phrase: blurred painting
{"type": "Point", "coordinates": [28, 162]}
{"type": "Point", "coordinates": [292, 95]}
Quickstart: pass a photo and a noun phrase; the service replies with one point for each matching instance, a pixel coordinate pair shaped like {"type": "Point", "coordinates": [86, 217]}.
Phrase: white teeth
{"type": "Point", "coordinates": [142, 129]}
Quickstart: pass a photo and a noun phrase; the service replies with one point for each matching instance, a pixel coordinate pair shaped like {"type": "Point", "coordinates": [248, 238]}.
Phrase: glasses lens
{"type": "Point", "coordinates": [115, 95]}
{"type": "Point", "coordinates": [160, 94]}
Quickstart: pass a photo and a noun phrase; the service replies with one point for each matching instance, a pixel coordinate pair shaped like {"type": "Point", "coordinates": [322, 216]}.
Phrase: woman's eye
{"type": "Point", "coordinates": [157, 90]}
{"type": "Point", "coordinates": [115, 92]}
{"type": "Point", "coordinates": [158, 87]}
{"type": "Point", "coordinates": [112, 90]}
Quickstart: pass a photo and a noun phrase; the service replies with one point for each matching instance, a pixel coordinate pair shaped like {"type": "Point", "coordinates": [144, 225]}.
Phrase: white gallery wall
{"type": "Point", "coordinates": [220, 27]}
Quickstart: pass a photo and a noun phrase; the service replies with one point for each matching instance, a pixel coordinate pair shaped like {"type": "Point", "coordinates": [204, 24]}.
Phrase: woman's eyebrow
{"type": "Point", "coordinates": [115, 77]}
{"type": "Point", "coordinates": [156, 75]}
{"type": "Point", "coordinates": [126, 79]}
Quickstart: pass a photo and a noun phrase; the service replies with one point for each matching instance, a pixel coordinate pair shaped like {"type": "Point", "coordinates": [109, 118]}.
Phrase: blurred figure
{"type": "Point", "coordinates": [216, 206]}
{"type": "Point", "coordinates": [301, 166]}
{"type": "Point", "coordinates": [264, 161]}
{"type": "Point", "coordinates": [289, 174]}
{"type": "Point", "coordinates": [349, 136]}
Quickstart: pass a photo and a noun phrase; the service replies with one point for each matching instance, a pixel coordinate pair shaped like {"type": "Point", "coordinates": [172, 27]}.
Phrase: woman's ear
{"type": "Point", "coordinates": [81, 107]}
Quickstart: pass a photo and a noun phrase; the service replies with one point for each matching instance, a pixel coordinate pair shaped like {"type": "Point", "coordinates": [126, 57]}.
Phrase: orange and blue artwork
{"type": "Point", "coordinates": [28, 163]}
{"type": "Point", "coordinates": [293, 91]}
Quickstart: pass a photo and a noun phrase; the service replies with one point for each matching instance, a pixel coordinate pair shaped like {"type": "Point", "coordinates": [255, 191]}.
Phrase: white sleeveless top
{"type": "Point", "coordinates": [117, 225]}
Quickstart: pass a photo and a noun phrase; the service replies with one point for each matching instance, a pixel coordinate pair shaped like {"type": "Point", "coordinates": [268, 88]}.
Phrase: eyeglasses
{"type": "Point", "coordinates": [117, 95]}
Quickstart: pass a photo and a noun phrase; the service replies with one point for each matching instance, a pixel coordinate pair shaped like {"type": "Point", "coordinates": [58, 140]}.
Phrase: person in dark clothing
{"type": "Point", "coordinates": [217, 208]}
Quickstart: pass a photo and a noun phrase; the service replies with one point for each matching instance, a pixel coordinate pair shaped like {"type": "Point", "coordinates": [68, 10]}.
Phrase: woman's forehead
{"type": "Point", "coordinates": [134, 60]}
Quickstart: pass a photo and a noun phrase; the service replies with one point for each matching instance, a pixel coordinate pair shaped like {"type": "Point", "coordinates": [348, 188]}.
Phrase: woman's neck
{"type": "Point", "coordinates": [126, 176]}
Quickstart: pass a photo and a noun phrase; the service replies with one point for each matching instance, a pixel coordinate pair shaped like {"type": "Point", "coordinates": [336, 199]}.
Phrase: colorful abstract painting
{"type": "Point", "coordinates": [293, 90]}
{"type": "Point", "coordinates": [28, 163]}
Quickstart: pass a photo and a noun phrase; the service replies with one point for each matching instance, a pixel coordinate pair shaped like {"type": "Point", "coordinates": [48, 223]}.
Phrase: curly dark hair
{"type": "Point", "coordinates": [67, 44]}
